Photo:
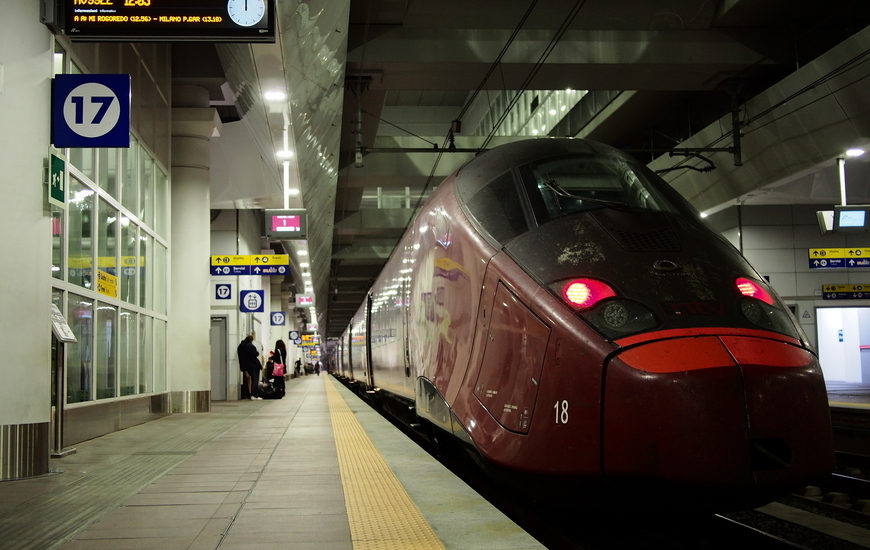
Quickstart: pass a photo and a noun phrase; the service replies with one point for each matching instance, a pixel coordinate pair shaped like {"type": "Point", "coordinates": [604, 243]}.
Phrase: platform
{"type": "Point", "coordinates": [317, 469]}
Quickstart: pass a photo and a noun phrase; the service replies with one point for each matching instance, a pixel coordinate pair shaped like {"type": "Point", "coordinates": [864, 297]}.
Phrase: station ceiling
{"type": "Point", "coordinates": [385, 98]}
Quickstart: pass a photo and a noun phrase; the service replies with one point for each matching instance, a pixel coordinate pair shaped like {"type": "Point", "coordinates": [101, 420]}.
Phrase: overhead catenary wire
{"type": "Point", "coordinates": [537, 67]}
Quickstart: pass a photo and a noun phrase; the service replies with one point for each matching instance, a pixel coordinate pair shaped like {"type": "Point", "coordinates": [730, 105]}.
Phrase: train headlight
{"type": "Point", "coordinates": [618, 317]}
{"type": "Point", "coordinates": [599, 305]}
{"type": "Point", "coordinates": [763, 310]}
{"type": "Point", "coordinates": [585, 293]}
{"type": "Point", "coordinates": [752, 289]}
{"type": "Point", "coordinates": [615, 314]}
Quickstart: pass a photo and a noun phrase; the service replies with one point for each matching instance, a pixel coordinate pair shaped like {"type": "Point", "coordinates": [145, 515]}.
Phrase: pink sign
{"type": "Point", "coordinates": [290, 224]}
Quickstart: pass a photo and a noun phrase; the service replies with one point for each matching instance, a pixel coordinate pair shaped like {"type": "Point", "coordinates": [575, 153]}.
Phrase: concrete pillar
{"type": "Point", "coordinates": [25, 243]}
{"type": "Point", "coordinates": [193, 124]}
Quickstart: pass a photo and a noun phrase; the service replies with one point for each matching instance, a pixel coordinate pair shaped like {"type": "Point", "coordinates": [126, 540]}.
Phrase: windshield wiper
{"type": "Point", "coordinates": [556, 188]}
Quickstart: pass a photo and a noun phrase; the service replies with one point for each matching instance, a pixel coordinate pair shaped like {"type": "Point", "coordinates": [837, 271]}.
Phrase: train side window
{"type": "Point", "coordinates": [497, 208]}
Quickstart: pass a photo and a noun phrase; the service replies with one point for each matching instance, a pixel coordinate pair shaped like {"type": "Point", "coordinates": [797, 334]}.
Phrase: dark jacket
{"type": "Point", "coordinates": [249, 357]}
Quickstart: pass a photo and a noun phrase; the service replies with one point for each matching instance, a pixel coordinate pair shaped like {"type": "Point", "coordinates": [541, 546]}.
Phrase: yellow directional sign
{"type": "Point", "coordinates": [839, 253]}
{"type": "Point", "coordinates": [252, 259]}
{"type": "Point", "coordinates": [826, 253]}
{"type": "Point", "coordinates": [107, 284]}
{"type": "Point", "coordinates": [845, 288]}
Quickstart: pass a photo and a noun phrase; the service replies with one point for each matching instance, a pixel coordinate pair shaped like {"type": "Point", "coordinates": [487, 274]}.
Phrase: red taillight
{"type": "Point", "coordinates": [586, 292]}
{"type": "Point", "coordinates": [753, 290]}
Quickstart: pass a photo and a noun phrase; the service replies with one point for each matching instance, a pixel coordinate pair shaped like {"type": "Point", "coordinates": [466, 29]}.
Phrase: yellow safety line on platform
{"type": "Point", "coordinates": [849, 404]}
{"type": "Point", "coordinates": [382, 515]}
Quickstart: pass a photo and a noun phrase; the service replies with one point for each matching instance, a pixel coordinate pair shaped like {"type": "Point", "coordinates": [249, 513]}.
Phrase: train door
{"type": "Point", "coordinates": [368, 341]}
{"type": "Point", "coordinates": [406, 324]}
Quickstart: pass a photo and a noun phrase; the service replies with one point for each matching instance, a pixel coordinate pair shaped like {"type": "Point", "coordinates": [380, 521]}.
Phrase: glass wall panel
{"type": "Point", "coordinates": [146, 188]}
{"type": "Point", "coordinates": [80, 210]}
{"type": "Point", "coordinates": [146, 354]}
{"type": "Point", "coordinates": [129, 260]}
{"type": "Point", "coordinates": [59, 61]}
{"type": "Point", "coordinates": [83, 159]}
{"type": "Point", "coordinates": [159, 274]}
{"type": "Point", "coordinates": [105, 350]}
{"type": "Point", "coordinates": [127, 331]}
{"type": "Point", "coordinates": [57, 242]}
{"type": "Point", "coordinates": [146, 272]}
{"type": "Point", "coordinates": [161, 205]}
{"type": "Point", "coordinates": [107, 176]}
{"type": "Point", "coordinates": [80, 313]}
{"type": "Point", "coordinates": [159, 355]}
{"type": "Point", "coordinates": [107, 224]}
{"type": "Point", "coordinates": [130, 176]}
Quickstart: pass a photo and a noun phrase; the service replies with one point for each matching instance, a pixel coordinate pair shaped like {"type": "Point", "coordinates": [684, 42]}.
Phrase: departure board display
{"type": "Point", "coordinates": [159, 20]}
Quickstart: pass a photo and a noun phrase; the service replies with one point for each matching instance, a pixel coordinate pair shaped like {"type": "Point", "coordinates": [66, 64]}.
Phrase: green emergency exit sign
{"type": "Point", "coordinates": [57, 181]}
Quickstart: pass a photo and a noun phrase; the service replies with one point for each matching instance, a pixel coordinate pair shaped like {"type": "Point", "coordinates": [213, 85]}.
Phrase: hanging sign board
{"type": "Point", "coordinates": [286, 224]}
{"type": "Point", "coordinates": [90, 110]}
{"type": "Point", "coordinates": [60, 328]}
{"type": "Point", "coordinates": [165, 20]}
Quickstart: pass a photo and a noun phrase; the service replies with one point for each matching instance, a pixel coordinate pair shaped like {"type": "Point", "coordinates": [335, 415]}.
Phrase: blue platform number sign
{"type": "Point", "coordinates": [223, 292]}
{"type": "Point", "coordinates": [252, 301]}
{"type": "Point", "coordinates": [90, 110]}
{"type": "Point", "coordinates": [278, 318]}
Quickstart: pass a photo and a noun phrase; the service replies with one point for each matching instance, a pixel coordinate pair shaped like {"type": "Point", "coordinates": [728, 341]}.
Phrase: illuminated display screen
{"type": "Point", "coordinates": [286, 224]}
{"type": "Point", "coordinates": [227, 20]}
{"type": "Point", "coordinates": [852, 218]}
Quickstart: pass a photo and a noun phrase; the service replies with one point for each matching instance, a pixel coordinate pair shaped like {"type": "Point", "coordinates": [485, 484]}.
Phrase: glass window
{"type": "Point", "coordinates": [129, 259]}
{"type": "Point", "coordinates": [57, 242]}
{"type": "Point", "coordinates": [83, 159]}
{"type": "Point", "coordinates": [80, 210]}
{"type": "Point", "coordinates": [107, 224]}
{"type": "Point", "coordinates": [146, 354]}
{"type": "Point", "coordinates": [130, 176]}
{"type": "Point", "coordinates": [587, 182]}
{"type": "Point", "coordinates": [107, 176]}
{"type": "Point", "coordinates": [146, 257]}
{"type": "Point", "coordinates": [146, 188]}
{"type": "Point", "coordinates": [80, 314]}
{"type": "Point", "coordinates": [159, 276]}
{"type": "Point", "coordinates": [59, 65]}
{"type": "Point", "coordinates": [159, 355]}
{"type": "Point", "coordinates": [105, 350]}
{"type": "Point", "coordinates": [127, 331]}
{"type": "Point", "coordinates": [498, 209]}
{"type": "Point", "coordinates": [161, 205]}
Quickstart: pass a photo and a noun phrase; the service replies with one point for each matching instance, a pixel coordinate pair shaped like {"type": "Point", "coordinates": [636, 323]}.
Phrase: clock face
{"type": "Point", "coordinates": [246, 13]}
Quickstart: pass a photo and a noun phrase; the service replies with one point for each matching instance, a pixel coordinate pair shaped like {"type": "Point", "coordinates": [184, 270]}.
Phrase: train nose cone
{"type": "Point", "coordinates": [733, 413]}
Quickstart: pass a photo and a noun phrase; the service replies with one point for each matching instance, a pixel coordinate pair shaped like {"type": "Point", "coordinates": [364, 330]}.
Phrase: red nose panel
{"type": "Point", "coordinates": [674, 413]}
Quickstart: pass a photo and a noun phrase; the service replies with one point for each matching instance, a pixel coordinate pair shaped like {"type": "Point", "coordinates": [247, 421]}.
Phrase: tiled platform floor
{"type": "Point", "coordinates": [250, 475]}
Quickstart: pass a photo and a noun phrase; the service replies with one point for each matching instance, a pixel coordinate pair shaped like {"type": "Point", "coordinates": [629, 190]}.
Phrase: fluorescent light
{"type": "Point", "coordinates": [275, 96]}
{"type": "Point", "coordinates": [285, 154]}
{"type": "Point", "coordinates": [854, 152]}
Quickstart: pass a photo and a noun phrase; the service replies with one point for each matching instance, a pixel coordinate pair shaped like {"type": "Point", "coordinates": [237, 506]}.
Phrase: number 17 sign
{"type": "Point", "coordinates": [90, 110]}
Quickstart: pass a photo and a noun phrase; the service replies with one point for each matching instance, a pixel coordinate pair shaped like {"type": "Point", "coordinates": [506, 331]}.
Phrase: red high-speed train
{"type": "Point", "coordinates": [565, 315]}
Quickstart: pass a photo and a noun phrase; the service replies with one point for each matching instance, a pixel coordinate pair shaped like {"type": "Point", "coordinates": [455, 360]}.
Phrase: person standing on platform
{"type": "Point", "coordinates": [249, 363]}
{"type": "Point", "coordinates": [317, 368]}
{"type": "Point", "coordinates": [279, 357]}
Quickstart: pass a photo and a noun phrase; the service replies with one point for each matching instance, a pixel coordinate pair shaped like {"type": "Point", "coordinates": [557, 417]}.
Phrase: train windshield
{"type": "Point", "coordinates": [586, 182]}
